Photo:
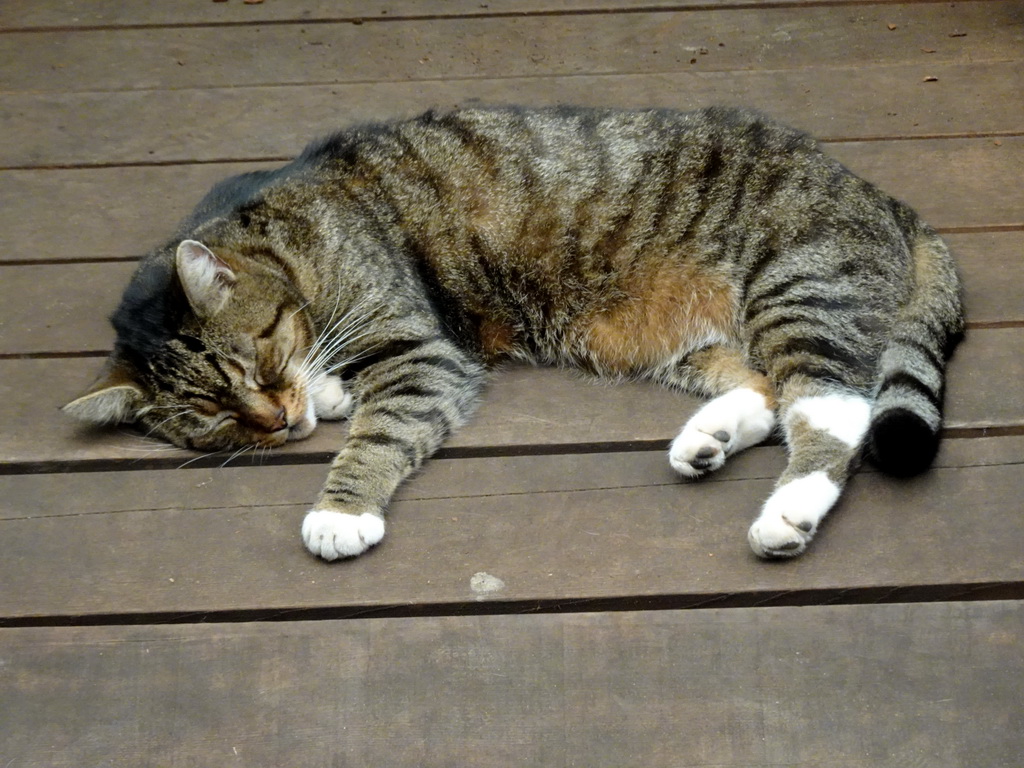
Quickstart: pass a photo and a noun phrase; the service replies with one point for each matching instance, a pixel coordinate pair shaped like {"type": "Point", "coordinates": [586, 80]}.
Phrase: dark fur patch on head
{"type": "Point", "coordinates": [150, 312]}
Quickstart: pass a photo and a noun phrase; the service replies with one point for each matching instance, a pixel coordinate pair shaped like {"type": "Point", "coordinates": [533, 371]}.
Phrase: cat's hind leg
{"type": "Point", "coordinates": [824, 426]}
{"type": "Point", "coordinates": [740, 415]}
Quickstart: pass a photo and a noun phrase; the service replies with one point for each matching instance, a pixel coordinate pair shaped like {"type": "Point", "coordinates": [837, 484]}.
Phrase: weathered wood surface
{"type": "Point", "coordinates": [117, 117]}
{"type": "Point", "coordinates": [838, 686]}
{"type": "Point", "coordinates": [467, 48]}
{"type": "Point", "coordinates": [83, 14]}
{"type": "Point", "coordinates": [579, 530]}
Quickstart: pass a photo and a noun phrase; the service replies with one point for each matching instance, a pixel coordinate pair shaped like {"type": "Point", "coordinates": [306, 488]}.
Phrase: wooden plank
{"type": "Point", "coordinates": [84, 14]}
{"type": "Point", "coordinates": [467, 48]}
{"type": "Point", "coordinates": [60, 308]}
{"type": "Point", "coordinates": [838, 686]}
{"type": "Point", "coordinates": [662, 543]}
{"type": "Point", "coordinates": [108, 212]}
{"type": "Point", "coordinates": [114, 212]}
{"type": "Point", "coordinates": [61, 129]}
{"type": "Point", "coordinates": [946, 165]}
{"type": "Point", "coordinates": [573, 414]}
{"type": "Point", "coordinates": [990, 263]}
{"type": "Point", "coordinates": [247, 483]}
{"type": "Point", "coordinates": [63, 308]}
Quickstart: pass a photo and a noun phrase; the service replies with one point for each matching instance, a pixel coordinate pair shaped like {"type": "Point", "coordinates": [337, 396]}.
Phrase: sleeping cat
{"type": "Point", "coordinates": [713, 251]}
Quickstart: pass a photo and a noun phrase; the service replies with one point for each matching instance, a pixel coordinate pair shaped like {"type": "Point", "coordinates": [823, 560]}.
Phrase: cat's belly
{"type": "Point", "coordinates": [667, 311]}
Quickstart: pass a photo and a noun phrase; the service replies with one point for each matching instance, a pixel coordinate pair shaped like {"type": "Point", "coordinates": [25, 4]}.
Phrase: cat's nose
{"type": "Point", "coordinates": [270, 420]}
{"type": "Point", "coordinates": [280, 420]}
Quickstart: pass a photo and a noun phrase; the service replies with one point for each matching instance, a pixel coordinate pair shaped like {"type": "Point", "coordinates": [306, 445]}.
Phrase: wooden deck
{"type": "Point", "coordinates": [549, 594]}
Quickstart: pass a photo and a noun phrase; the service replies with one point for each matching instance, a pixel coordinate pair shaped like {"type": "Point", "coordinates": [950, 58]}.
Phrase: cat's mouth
{"type": "Point", "coordinates": [300, 431]}
{"type": "Point", "coordinates": [306, 423]}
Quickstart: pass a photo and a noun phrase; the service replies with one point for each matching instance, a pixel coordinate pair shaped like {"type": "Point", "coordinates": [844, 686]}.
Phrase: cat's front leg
{"type": "Point", "coordinates": [408, 405]}
{"type": "Point", "coordinates": [331, 401]}
{"type": "Point", "coordinates": [333, 535]}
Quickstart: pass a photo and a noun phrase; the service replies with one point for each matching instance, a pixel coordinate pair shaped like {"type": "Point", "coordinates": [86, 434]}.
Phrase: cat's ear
{"type": "Point", "coordinates": [207, 280]}
{"type": "Point", "coordinates": [113, 398]}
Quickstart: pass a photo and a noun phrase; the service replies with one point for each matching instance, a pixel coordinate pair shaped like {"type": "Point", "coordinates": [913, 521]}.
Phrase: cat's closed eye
{"type": "Point", "coordinates": [223, 418]}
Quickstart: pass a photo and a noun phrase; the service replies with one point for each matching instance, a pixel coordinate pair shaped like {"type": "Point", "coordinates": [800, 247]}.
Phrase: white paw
{"type": "Point", "coordinates": [330, 399]}
{"type": "Point", "coordinates": [693, 452]}
{"type": "Point", "coordinates": [726, 425]}
{"type": "Point", "coordinates": [791, 515]}
{"type": "Point", "coordinates": [331, 535]}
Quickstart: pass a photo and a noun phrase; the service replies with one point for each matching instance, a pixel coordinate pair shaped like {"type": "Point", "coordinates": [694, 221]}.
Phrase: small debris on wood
{"type": "Point", "coordinates": [998, 143]}
{"type": "Point", "coordinates": [693, 61]}
{"type": "Point", "coordinates": [958, 34]}
{"type": "Point", "coordinates": [928, 50]}
{"type": "Point", "coordinates": [252, 2]}
{"type": "Point", "coordinates": [930, 79]}
{"type": "Point", "coordinates": [892, 27]}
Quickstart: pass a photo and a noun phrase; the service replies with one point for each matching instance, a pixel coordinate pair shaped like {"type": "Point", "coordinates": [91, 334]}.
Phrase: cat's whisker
{"type": "Point", "coordinates": [264, 451]}
{"type": "Point", "coordinates": [299, 309]}
{"type": "Point", "coordinates": [173, 416]}
{"type": "Point", "coordinates": [198, 458]}
{"type": "Point", "coordinates": [332, 349]}
{"type": "Point", "coordinates": [150, 449]}
{"type": "Point", "coordinates": [347, 361]}
{"type": "Point", "coordinates": [237, 453]}
{"type": "Point", "coordinates": [340, 332]}
{"type": "Point", "coordinates": [331, 341]}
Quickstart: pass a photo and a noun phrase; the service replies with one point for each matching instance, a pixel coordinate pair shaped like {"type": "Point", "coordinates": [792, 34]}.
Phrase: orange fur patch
{"type": "Point", "coordinates": [668, 308]}
{"type": "Point", "coordinates": [497, 339]}
{"type": "Point", "coordinates": [724, 368]}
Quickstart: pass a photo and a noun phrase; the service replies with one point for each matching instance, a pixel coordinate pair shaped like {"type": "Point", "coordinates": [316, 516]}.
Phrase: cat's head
{"type": "Point", "coordinates": [209, 354]}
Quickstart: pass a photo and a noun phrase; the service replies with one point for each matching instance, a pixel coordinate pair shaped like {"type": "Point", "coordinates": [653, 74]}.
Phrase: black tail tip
{"type": "Point", "coordinates": [901, 443]}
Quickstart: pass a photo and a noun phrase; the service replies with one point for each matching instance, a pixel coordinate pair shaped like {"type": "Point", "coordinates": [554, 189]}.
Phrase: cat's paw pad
{"type": "Point", "coordinates": [332, 535]}
{"type": "Point", "coordinates": [729, 423]}
{"type": "Point", "coordinates": [330, 399]}
{"type": "Point", "coordinates": [778, 537]}
{"type": "Point", "coordinates": [791, 515]}
{"type": "Point", "coordinates": [694, 453]}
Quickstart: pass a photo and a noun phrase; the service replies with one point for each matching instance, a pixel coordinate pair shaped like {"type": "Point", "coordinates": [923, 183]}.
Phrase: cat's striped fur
{"type": "Point", "coordinates": [713, 251]}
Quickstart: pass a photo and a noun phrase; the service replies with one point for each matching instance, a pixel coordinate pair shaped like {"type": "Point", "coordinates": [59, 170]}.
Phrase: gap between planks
{"type": "Point", "coordinates": [981, 592]}
{"type": "Point", "coordinates": [217, 461]}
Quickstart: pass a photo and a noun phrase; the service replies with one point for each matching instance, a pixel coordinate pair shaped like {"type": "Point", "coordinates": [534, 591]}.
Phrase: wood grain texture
{"type": "Point", "coordinates": [838, 686]}
{"type": "Point", "coordinates": [117, 117]}
{"type": "Point", "coordinates": [59, 308]}
{"type": "Point", "coordinates": [573, 414]}
{"type": "Point", "coordinates": [586, 531]}
{"type": "Point", "coordinates": [82, 14]}
{"type": "Point", "coordinates": [270, 122]}
{"type": "Point", "coordinates": [467, 48]}
{"type": "Point", "coordinates": [116, 212]}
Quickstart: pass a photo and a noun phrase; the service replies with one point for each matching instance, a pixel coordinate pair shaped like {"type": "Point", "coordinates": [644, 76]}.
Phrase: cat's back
{"type": "Point", "coordinates": [552, 144]}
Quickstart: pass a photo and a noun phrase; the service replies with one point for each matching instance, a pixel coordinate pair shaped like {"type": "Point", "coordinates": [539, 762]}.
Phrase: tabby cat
{"type": "Point", "coordinates": [712, 251]}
